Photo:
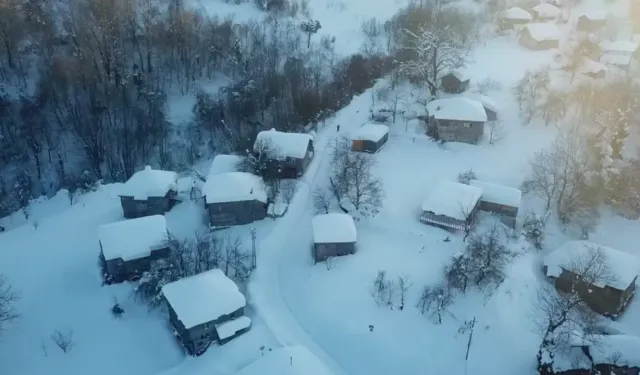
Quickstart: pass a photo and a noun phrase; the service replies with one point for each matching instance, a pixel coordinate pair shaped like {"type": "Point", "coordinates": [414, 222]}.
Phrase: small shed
{"type": "Point", "coordinates": [546, 12]}
{"type": "Point", "coordinates": [608, 295]}
{"type": "Point", "coordinates": [594, 69]}
{"type": "Point", "coordinates": [539, 36]}
{"type": "Point", "coordinates": [224, 163]}
{"type": "Point", "coordinates": [490, 107]}
{"type": "Point", "coordinates": [456, 119]}
{"type": "Point", "coordinates": [514, 17]}
{"type": "Point", "coordinates": [333, 235]}
{"type": "Point", "coordinates": [131, 247]}
{"type": "Point", "coordinates": [235, 198]}
{"type": "Point", "coordinates": [290, 153]}
{"type": "Point", "coordinates": [205, 308]}
{"type": "Point", "coordinates": [455, 82]}
{"type": "Point", "coordinates": [620, 53]}
{"type": "Point", "coordinates": [288, 360]}
{"type": "Point", "coordinates": [149, 192]}
{"type": "Point", "coordinates": [450, 205]}
{"type": "Point", "coordinates": [501, 200]}
{"type": "Point", "coordinates": [370, 138]}
{"type": "Point", "coordinates": [591, 21]}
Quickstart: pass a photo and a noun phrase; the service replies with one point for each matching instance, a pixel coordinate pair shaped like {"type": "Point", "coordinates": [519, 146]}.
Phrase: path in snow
{"type": "Point", "coordinates": [287, 247]}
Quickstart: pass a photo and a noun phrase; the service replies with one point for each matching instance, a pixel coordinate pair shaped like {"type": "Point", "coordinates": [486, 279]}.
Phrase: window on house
{"type": "Point", "coordinates": [466, 124]}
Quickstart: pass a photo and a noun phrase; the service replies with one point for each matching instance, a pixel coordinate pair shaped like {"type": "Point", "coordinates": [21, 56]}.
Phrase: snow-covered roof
{"type": "Point", "coordinates": [134, 238]}
{"type": "Point", "coordinates": [203, 298]}
{"type": "Point", "coordinates": [234, 187]}
{"type": "Point", "coordinates": [231, 327]}
{"type": "Point", "coordinates": [602, 348]}
{"type": "Point", "coordinates": [452, 199]}
{"type": "Point", "coordinates": [617, 59]}
{"type": "Point", "coordinates": [149, 183]}
{"type": "Point", "coordinates": [224, 163]}
{"type": "Point", "coordinates": [592, 67]}
{"type": "Point", "coordinates": [499, 194]}
{"type": "Point", "coordinates": [543, 31]}
{"type": "Point", "coordinates": [333, 228]}
{"type": "Point", "coordinates": [624, 267]}
{"type": "Point", "coordinates": [546, 10]}
{"type": "Point", "coordinates": [291, 360]}
{"type": "Point", "coordinates": [457, 108]}
{"type": "Point", "coordinates": [595, 15]}
{"type": "Point", "coordinates": [282, 145]}
{"type": "Point", "coordinates": [516, 13]}
{"type": "Point", "coordinates": [625, 46]}
{"type": "Point", "coordinates": [371, 132]}
{"type": "Point", "coordinates": [486, 101]}
{"type": "Point", "coordinates": [460, 75]}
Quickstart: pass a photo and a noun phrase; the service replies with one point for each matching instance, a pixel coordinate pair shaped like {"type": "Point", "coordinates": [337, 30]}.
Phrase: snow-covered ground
{"type": "Point", "coordinates": [51, 258]}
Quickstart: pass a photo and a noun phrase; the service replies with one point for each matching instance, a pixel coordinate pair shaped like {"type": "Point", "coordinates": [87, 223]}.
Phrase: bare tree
{"type": "Point", "coordinates": [563, 316]}
{"type": "Point", "coordinates": [404, 284]}
{"type": "Point", "coordinates": [554, 107]}
{"type": "Point", "coordinates": [64, 341]}
{"type": "Point", "coordinates": [322, 200]}
{"type": "Point", "coordinates": [372, 30]}
{"type": "Point", "coordinates": [436, 301]}
{"type": "Point", "coordinates": [496, 131]}
{"type": "Point", "coordinates": [530, 91]}
{"type": "Point", "coordinates": [489, 258]}
{"type": "Point", "coordinates": [310, 27]}
{"type": "Point", "coordinates": [457, 274]}
{"type": "Point", "coordinates": [8, 298]}
{"type": "Point", "coordinates": [288, 191]}
{"type": "Point", "coordinates": [471, 219]}
{"type": "Point", "coordinates": [533, 229]}
{"type": "Point", "coordinates": [383, 290]}
{"type": "Point", "coordinates": [574, 56]}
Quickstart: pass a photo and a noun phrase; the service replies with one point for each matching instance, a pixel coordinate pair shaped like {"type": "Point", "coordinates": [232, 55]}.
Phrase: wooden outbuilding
{"type": "Point", "coordinates": [149, 192]}
{"type": "Point", "coordinates": [539, 36]}
{"type": "Point", "coordinates": [235, 198]}
{"type": "Point", "coordinates": [501, 200]}
{"type": "Point", "coordinates": [455, 82]}
{"type": "Point", "coordinates": [286, 155]}
{"type": "Point", "coordinates": [451, 205]}
{"type": "Point", "coordinates": [131, 247]}
{"type": "Point", "coordinates": [369, 138]}
{"type": "Point", "coordinates": [333, 235]}
{"type": "Point", "coordinates": [546, 12]}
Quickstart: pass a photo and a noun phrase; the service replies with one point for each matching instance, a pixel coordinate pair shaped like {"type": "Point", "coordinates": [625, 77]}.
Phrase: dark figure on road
{"type": "Point", "coordinates": [338, 128]}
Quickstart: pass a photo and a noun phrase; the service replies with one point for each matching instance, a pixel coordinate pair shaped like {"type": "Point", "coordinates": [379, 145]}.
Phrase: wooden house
{"type": "Point", "coordinates": [454, 82]}
{"type": "Point", "coordinates": [333, 235]}
{"type": "Point", "coordinates": [131, 247]}
{"type": "Point", "coordinates": [501, 200]}
{"type": "Point", "coordinates": [514, 18]}
{"type": "Point", "coordinates": [369, 138]}
{"type": "Point", "coordinates": [607, 295]}
{"type": "Point", "coordinates": [539, 36]}
{"type": "Point", "coordinates": [287, 154]}
{"type": "Point", "coordinates": [590, 22]}
{"type": "Point", "coordinates": [456, 119]}
{"type": "Point", "coordinates": [235, 198]}
{"type": "Point", "coordinates": [149, 192]}
{"type": "Point", "coordinates": [206, 308]}
{"type": "Point", "coordinates": [451, 205]}
{"type": "Point", "coordinates": [606, 353]}
{"type": "Point", "coordinates": [546, 12]}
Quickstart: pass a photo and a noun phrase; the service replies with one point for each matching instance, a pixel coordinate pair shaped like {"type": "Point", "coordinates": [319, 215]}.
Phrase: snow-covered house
{"type": "Point", "coordinates": [620, 53]}
{"type": "Point", "coordinates": [455, 82]}
{"type": "Point", "coordinates": [149, 192]}
{"type": "Point", "coordinates": [591, 21]}
{"type": "Point", "coordinates": [501, 200]}
{"type": "Point", "coordinates": [235, 198]}
{"type": "Point", "coordinates": [333, 235]}
{"type": "Point", "coordinates": [369, 138]}
{"type": "Point", "coordinates": [130, 247]}
{"type": "Point", "coordinates": [593, 69]}
{"type": "Point", "coordinates": [456, 119]}
{"type": "Point", "coordinates": [205, 308]}
{"type": "Point", "coordinates": [289, 360]}
{"type": "Point", "coordinates": [546, 12]}
{"type": "Point", "coordinates": [617, 354]}
{"type": "Point", "coordinates": [224, 163]}
{"type": "Point", "coordinates": [490, 107]}
{"type": "Point", "coordinates": [539, 36]}
{"type": "Point", "coordinates": [286, 155]}
{"type": "Point", "coordinates": [451, 205]}
{"type": "Point", "coordinates": [606, 293]}
{"type": "Point", "coordinates": [514, 17]}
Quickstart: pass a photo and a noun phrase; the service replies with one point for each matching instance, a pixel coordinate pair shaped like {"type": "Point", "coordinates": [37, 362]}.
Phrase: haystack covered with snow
{"type": "Point", "coordinates": [150, 183]}
{"type": "Point", "coordinates": [280, 145]}
{"type": "Point", "coordinates": [333, 228]}
{"type": "Point", "coordinates": [203, 298]}
{"type": "Point", "coordinates": [457, 108]}
{"type": "Point", "coordinates": [624, 267]}
{"type": "Point", "coordinates": [224, 164]}
{"type": "Point", "coordinates": [516, 14]}
{"type": "Point", "coordinates": [546, 11]}
{"type": "Point", "coordinates": [133, 239]}
{"type": "Point", "coordinates": [291, 360]}
{"type": "Point", "coordinates": [369, 137]}
{"type": "Point", "coordinates": [234, 187]}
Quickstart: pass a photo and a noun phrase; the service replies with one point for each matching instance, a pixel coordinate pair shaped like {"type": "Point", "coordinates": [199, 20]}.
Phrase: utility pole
{"type": "Point", "coordinates": [468, 326]}
{"type": "Point", "coordinates": [254, 260]}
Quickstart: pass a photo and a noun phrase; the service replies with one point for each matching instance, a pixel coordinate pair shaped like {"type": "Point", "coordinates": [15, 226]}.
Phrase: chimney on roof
{"type": "Point", "coordinates": [147, 168]}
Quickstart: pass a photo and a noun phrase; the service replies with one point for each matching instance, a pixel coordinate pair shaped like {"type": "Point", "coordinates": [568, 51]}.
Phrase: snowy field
{"type": "Point", "coordinates": [51, 257]}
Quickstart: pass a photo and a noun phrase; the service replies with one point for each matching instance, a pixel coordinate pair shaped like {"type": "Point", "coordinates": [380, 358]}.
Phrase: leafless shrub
{"type": "Point", "coordinates": [8, 298]}
{"type": "Point", "coordinates": [533, 229]}
{"type": "Point", "coordinates": [530, 92]}
{"type": "Point", "coordinates": [404, 284]}
{"type": "Point", "coordinates": [322, 201]}
{"type": "Point", "coordinates": [383, 290]}
{"type": "Point", "coordinates": [288, 190]}
{"type": "Point", "coordinates": [64, 341]}
{"type": "Point", "coordinates": [436, 301]}
{"type": "Point", "coordinates": [496, 131]}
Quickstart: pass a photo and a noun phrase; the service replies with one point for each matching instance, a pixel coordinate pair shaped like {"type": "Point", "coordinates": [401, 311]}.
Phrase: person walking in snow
{"type": "Point", "coordinates": [338, 128]}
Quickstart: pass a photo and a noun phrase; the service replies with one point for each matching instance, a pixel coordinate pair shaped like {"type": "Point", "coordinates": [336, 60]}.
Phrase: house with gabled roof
{"type": "Point", "coordinates": [455, 82]}
{"type": "Point", "coordinates": [514, 17]}
{"type": "Point", "coordinates": [334, 235]}
{"type": "Point", "coordinates": [149, 192]}
{"type": "Point", "coordinates": [369, 138]}
{"type": "Point", "coordinates": [456, 119]}
{"type": "Point", "coordinates": [539, 36]}
{"type": "Point", "coordinates": [286, 155]}
{"type": "Point", "coordinates": [451, 205]}
{"type": "Point", "coordinates": [235, 198]}
{"type": "Point", "coordinates": [546, 12]}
